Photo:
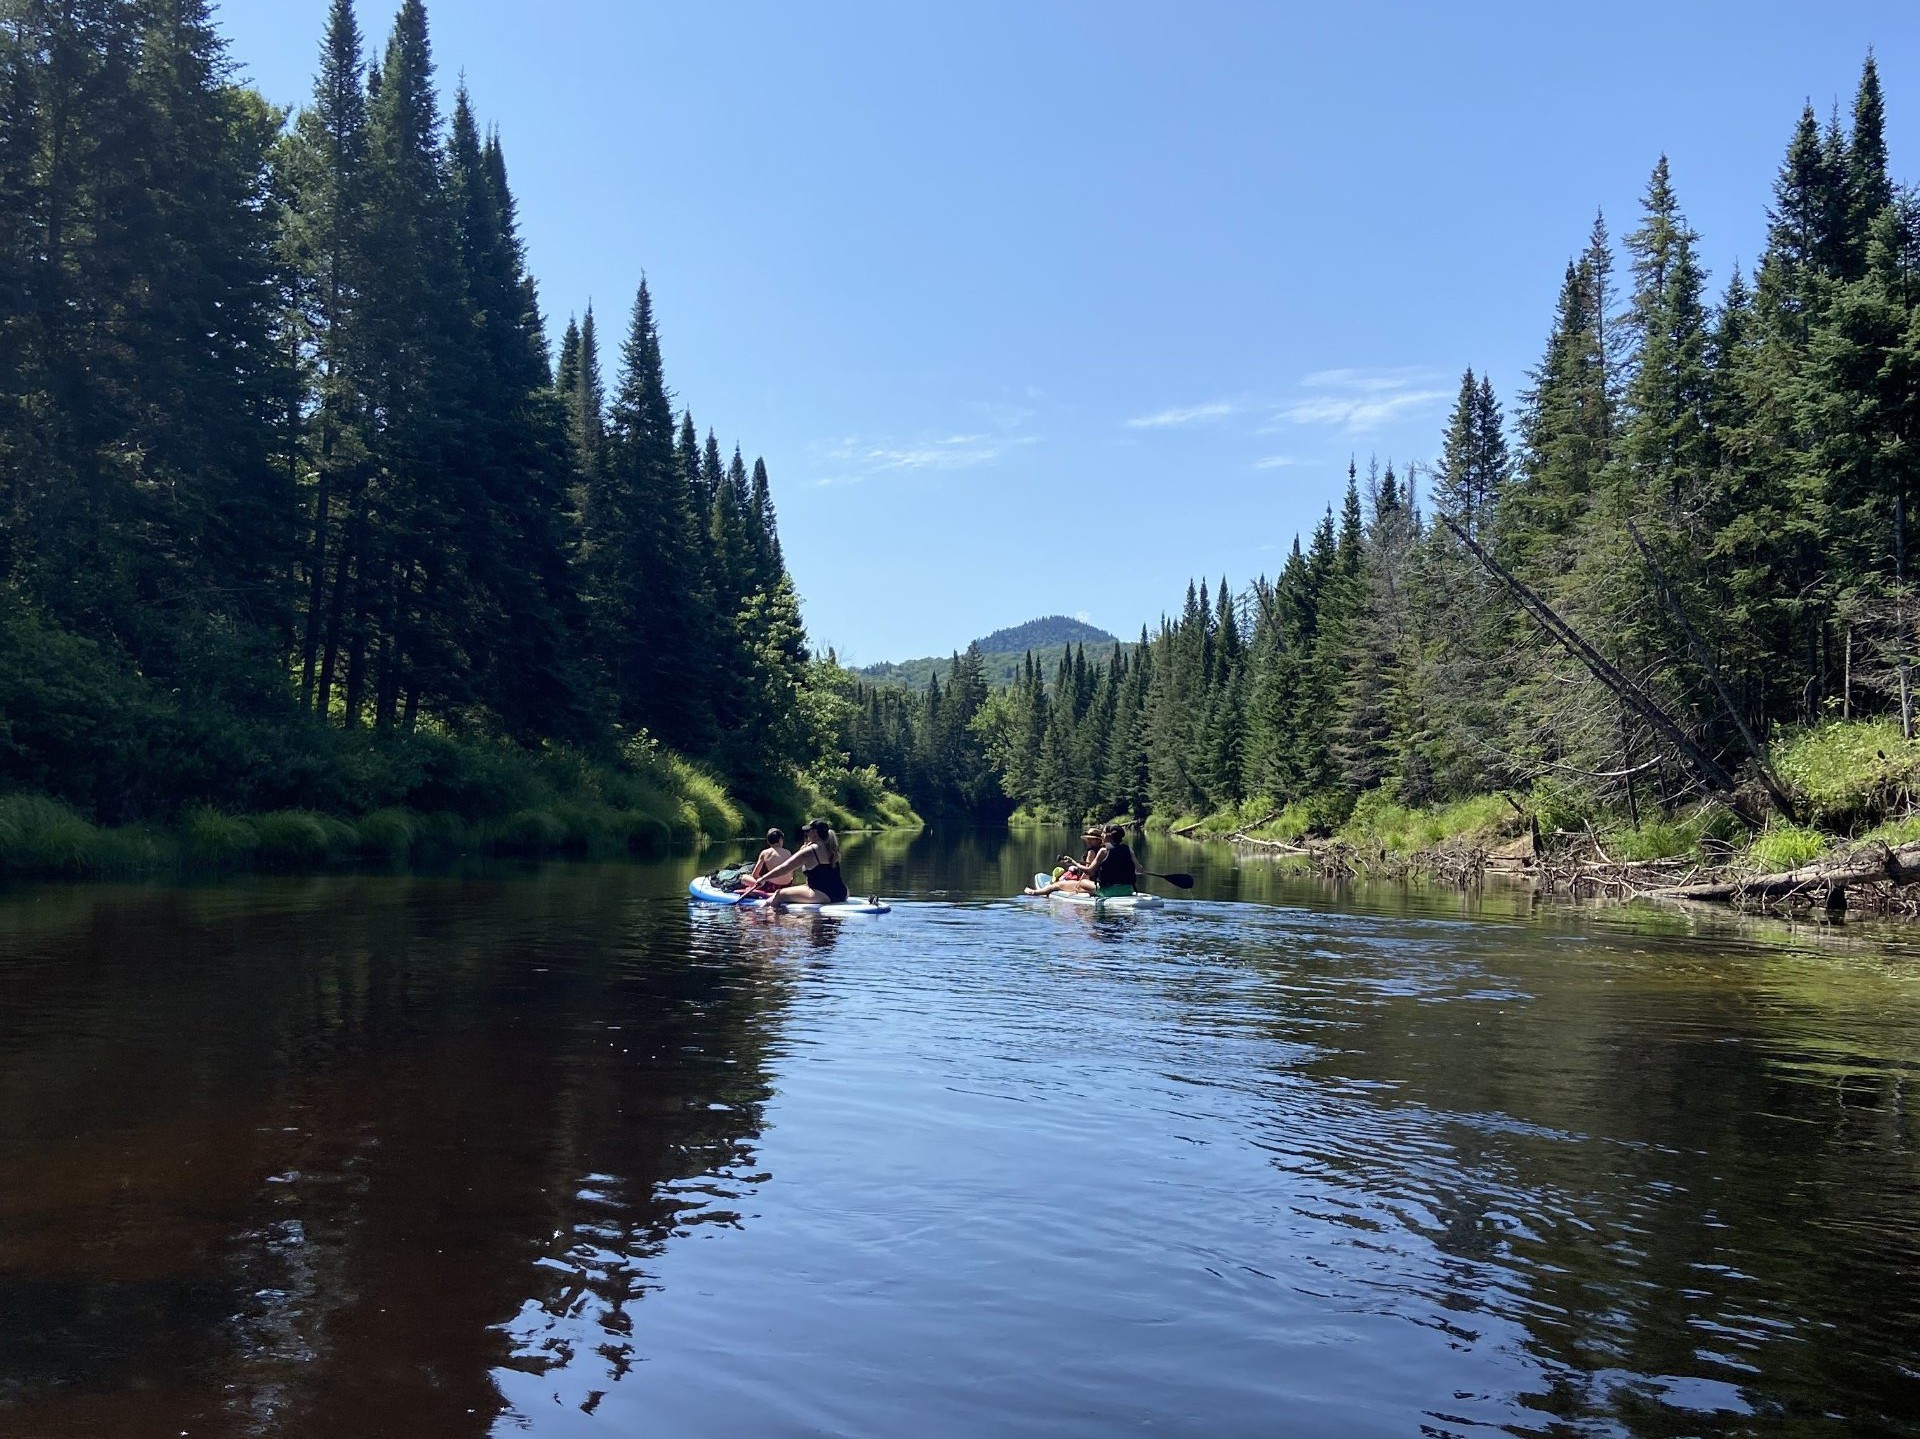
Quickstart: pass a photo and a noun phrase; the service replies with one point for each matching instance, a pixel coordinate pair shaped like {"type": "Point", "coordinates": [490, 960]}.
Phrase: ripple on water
{"type": "Point", "coordinates": [568, 1147]}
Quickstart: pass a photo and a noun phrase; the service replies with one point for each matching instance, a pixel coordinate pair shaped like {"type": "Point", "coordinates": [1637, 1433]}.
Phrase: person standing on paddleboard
{"type": "Point", "coordinates": [820, 858]}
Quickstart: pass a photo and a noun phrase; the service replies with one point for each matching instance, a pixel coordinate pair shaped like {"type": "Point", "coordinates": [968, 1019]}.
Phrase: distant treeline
{"type": "Point", "coordinates": [284, 462]}
{"type": "Point", "coordinates": [1699, 520]}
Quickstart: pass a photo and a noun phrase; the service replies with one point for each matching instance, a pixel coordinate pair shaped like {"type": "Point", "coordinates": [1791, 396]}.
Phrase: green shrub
{"type": "Point", "coordinates": [43, 836]}
{"type": "Point", "coordinates": [1654, 839]}
{"type": "Point", "coordinates": [644, 832]}
{"type": "Point", "coordinates": [1557, 806]}
{"type": "Point", "coordinates": [133, 849]}
{"type": "Point", "coordinates": [527, 832]}
{"type": "Point", "coordinates": [294, 838]}
{"type": "Point", "coordinates": [1785, 846]}
{"type": "Point", "coordinates": [387, 834]}
{"type": "Point", "coordinates": [1905, 830]}
{"type": "Point", "coordinates": [440, 835]}
{"type": "Point", "coordinates": [1849, 772]}
{"type": "Point", "coordinates": [1380, 822]}
{"type": "Point", "coordinates": [210, 837]}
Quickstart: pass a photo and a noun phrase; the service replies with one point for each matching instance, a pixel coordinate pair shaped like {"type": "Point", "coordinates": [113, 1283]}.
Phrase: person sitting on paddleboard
{"type": "Point", "coordinates": [1071, 868]}
{"type": "Point", "coordinates": [820, 858]}
{"type": "Point", "coordinates": [1115, 871]}
{"type": "Point", "coordinates": [1108, 874]}
{"type": "Point", "coordinates": [770, 859]}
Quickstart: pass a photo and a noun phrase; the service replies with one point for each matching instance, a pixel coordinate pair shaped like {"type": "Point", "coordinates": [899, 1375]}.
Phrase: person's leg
{"type": "Point", "coordinates": [798, 894]}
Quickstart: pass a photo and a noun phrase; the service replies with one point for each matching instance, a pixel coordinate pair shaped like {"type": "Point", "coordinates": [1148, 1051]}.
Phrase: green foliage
{"type": "Point", "coordinates": [388, 835]}
{"type": "Point", "coordinates": [1558, 806]}
{"type": "Point", "coordinates": [40, 836]}
{"type": "Point", "coordinates": [301, 839]}
{"type": "Point", "coordinates": [1849, 772]}
{"type": "Point", "coordinates": [1905, 830]}
{"type": "Point", "coordinates": [1003, 654]}
{"type": "Point", "coordinates": [1379, 822]}
{"type": "Point", "coordinates": [278, 408]}
{"type": "Point", "coordinates": [211, 838]}
{"type": "Point", "coordinates": [1652, 839]}
{"type": "Point", "coordinates": [1782, 847]}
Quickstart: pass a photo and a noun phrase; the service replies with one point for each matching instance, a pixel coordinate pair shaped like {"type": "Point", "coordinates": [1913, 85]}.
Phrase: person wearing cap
{"type": "Point", "coordinates": [819, 857]}
{"type": "Point", "coordinates": [1110, 872]}
{"type": "Point", "coordinates": [1070, 868]}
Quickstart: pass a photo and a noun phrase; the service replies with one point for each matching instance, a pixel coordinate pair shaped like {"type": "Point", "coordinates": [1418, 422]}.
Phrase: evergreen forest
{"type": "Point", "coordinates": [301, 516]}
{"type": "Point", "coordinates": [1667, 586]}
{"type": "Point", "coordinates": [312, 540]}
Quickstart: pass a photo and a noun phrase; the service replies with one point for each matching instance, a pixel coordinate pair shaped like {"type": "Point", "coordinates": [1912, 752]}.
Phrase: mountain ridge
{"type": "Point", "coordinates": [1004, 652]}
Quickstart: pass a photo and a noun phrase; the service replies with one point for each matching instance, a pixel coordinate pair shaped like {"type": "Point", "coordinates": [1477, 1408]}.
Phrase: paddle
{"type": "Point", "coordinates": [1178, 881]}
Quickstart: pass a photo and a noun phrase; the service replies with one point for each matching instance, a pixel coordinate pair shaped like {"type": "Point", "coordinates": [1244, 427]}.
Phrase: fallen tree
{"type": "Point", "coordinates": [1870, 864]}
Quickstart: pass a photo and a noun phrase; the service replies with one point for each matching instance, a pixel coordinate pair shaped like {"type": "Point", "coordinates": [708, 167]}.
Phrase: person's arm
{"type": "Point", "coordinates": [793, 864]}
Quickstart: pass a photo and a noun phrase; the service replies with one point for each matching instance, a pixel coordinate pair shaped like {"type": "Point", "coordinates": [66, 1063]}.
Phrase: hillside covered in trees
{"type": "Point", "coordinates": [296, 509]}
{"type": "Point", "coordinates": [1650, 599]}
{"type": "Point", "coordinates": [1004, 654]}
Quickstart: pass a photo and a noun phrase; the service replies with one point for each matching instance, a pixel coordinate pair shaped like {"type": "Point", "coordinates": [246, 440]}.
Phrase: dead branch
{"type": "Point", "coordinates": [1705, 766]}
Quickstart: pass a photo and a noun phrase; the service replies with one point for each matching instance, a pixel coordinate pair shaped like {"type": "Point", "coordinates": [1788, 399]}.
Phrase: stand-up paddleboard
{"type": "Point", "coordinates": [1136, 900]}
{"type": "Point", "coordinates": [707, 892]}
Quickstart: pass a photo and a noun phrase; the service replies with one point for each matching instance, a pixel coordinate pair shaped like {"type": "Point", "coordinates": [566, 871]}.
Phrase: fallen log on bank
{"type": "Point", "coordinates": [1870, 864]}
{"type": "Point", "coordinates": [1269, 846]}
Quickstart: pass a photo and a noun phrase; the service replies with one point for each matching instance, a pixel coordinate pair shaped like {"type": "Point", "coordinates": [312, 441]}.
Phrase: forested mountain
{"type": "Point", "coordinates": [294, 506]}
{"type": "Point", "coordinates": [1045, 633]}
{"type": "Point", "coordinates": [1003, 653]}
{"type": "Point", "coordinates": [1692, 537]}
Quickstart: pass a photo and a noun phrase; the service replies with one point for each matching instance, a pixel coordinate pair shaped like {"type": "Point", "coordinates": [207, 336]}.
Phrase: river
{"type": "Point", "coordinates": [547, 1151]}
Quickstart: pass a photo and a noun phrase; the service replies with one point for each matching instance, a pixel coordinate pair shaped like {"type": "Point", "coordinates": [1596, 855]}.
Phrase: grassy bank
{"type": "Point", "coordinates": [505, 803]}
{"type": "Point", "coordinates": [105, 772]}
{"type": "Point", "coordinates": [1851, 781]}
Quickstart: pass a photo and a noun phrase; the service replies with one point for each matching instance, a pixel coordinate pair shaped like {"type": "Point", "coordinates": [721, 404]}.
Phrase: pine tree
{"type": "Point", "coordinates": [644, 566]}
{"type": "Point", "coordinates": [323, 239]}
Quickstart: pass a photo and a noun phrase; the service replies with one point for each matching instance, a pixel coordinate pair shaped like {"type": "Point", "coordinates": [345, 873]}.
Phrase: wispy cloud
{"type": "Point", "coordinates": [855, 459]}
{"type": "Point", "coordinates": [1188, 415]}
{"type": "Point", "coordinates": [1275, 462]}
{"type": "Point", "coordinates": [1355, 401]}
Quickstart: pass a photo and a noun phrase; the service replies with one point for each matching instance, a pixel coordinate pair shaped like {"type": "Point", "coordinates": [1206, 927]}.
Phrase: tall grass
{"type": "Point", "coordinates": [1849, 772]}
{"type": "Point", "coordinates": [1378, 823]}
{"type": "Point", "coordinates": [1783, 847]}
{"type": "Point", "coordinates": [40, 836]}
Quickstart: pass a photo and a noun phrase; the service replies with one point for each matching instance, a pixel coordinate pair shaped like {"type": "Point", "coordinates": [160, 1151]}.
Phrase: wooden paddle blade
{"type": "Point", "coordinates": [1178, 881]}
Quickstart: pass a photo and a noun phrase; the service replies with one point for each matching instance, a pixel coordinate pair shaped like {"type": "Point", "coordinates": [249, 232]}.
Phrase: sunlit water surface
{"type": "Point", "coordinates": [551, 1152]}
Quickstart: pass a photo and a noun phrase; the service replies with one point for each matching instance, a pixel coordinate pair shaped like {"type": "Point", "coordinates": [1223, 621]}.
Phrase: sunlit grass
{"type": "Point", "coordinates": [1782, 847]}
{"type": "Point", "coordinates": [1849, 771]}
{"type": "Point", "coordinates": [1379, 823]}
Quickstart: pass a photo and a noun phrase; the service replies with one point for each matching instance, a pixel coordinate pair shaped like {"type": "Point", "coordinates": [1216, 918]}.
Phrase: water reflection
{"type": "Point", "coordinates": [548, 1151]}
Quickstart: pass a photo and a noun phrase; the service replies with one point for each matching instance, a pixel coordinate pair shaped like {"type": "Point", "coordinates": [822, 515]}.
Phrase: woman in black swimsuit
{"type": "Point", "coordinates": [820, 857]}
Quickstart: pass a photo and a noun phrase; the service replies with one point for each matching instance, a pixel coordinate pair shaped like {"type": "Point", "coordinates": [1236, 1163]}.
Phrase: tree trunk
{"type": "Point", "coordinates": [1900, 610]}
{"type": "Point", "coordinates": [1846, 679]}
{"type": "Point", "coordinates": [316, 590]}
{"type": "Point", "coordinates": [1864, 866]}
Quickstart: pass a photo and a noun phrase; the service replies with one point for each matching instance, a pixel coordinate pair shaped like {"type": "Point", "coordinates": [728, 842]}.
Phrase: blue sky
{"type": "Point", "coordinates": [1044, 307]}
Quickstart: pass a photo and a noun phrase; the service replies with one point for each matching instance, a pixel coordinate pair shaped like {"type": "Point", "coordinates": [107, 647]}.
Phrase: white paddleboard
{"type": "Point", "coordinates": [707, 892]}
{"type": "Point", "coordinates": [1136, 900]}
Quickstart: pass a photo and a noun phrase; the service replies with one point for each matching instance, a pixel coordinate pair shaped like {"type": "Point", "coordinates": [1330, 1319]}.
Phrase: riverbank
{"type": "Point", "coordinates": [1853, 786]}
{"type": "Point", "coordinates": [479, 800]}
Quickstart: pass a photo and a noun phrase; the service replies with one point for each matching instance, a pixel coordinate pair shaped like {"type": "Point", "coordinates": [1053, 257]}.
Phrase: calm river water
{"type": "Point", "coordinates": [546, 1151]}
